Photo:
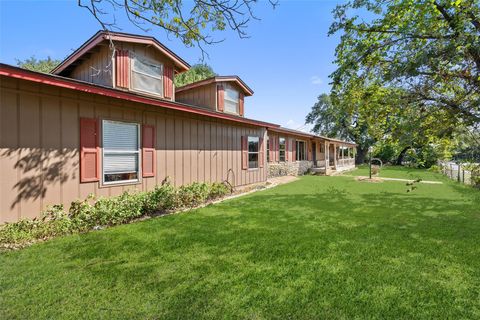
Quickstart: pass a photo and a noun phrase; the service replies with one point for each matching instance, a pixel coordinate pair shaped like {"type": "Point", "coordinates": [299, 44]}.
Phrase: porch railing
{"type": "Point", "coordinates": [345, 162]}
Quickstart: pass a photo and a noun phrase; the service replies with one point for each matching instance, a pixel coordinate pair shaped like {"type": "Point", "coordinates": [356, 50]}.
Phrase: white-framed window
{"type": "Point", "coordinates": [301, 150]}
{"type": "Point", "coordinates": [281, 148]}
{"type": "Point", "coordinates": [121, 152]}
{"type": "Point", "coordinates": [231, 100]}
{"type": "Point", "coordinates": [147, 75]}
{"type": "Point", "coordinates": [253, 150]}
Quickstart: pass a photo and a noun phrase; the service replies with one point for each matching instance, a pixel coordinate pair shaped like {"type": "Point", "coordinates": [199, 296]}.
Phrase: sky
{"type": "Point", "coordinates": [286, 60]}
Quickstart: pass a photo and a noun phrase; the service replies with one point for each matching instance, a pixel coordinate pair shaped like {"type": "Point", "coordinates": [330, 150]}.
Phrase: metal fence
{"type": "Point", "coordinates": [459, 172]}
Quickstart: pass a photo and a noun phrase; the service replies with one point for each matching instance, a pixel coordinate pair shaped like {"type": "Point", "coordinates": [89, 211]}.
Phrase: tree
{"type": "Point", "coordinates": [430, 49]}
{"type": "Point", "coordinates": [333, 118]}
{"type": "Point", "coordinates": [197, 72]}
{"type": "Point", "coordinates": [39, 65]}
{"type": "Point", "coordinates": [191, 22]}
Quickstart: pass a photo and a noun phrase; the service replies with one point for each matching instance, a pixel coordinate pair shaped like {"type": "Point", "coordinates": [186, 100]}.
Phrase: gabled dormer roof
{"type": "Point", "coordinates": [234, 79]}
{"type": "Point", "coordinates": [102, 36]}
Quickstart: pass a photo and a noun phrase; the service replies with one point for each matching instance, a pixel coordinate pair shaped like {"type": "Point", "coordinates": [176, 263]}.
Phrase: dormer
{"type": "Point", "coordinates": [133, 63]}
{"type": "Point", "coordinates": [222, 93]}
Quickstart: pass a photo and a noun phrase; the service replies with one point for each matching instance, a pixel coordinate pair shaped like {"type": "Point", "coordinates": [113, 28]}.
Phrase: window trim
{"type": "Point", "coordinates": [160, 77]}
{"type": "Point", "coordinates": [253, 152]}
{"type": "Point", "coordinates": [138, 152]}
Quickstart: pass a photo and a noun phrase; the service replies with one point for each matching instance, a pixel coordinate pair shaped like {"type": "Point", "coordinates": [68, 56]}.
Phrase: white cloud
{"type": "Point", "coordinates": [316, 80]}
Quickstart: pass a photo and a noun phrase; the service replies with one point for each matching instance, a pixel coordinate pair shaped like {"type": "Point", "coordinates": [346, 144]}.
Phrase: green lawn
{"type": "Point", "coordinates": [399, 172]}
{"type": "Point", "coordinates": [320, 247]}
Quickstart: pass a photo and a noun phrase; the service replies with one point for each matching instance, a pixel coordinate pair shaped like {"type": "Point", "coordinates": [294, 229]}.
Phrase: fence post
{"type": "Point", "coordinates": [458, 173]}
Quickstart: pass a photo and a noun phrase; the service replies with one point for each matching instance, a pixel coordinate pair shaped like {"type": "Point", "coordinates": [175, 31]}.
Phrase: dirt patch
{"type": "Point", "coordinates": [367, 179]}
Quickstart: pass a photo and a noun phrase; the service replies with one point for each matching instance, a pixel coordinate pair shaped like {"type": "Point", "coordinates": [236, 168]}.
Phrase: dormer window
{"type": "Point", "coordinates": [231, 100]}
{"type": "Point", "coordinates": [147, 76]}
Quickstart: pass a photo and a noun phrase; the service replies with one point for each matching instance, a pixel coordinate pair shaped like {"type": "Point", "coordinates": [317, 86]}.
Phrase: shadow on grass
{"type": "Point", "coordinates": [304, 250]}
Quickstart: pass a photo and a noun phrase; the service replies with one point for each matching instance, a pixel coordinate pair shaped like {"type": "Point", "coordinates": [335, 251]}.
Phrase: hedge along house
{"type": "Point", "coordinates": [109, 119]}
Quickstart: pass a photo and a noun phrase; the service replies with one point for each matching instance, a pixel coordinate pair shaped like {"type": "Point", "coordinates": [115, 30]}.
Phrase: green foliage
{"type": "Point", "coordinates": [39, 65]}
{"type": "Point", "coordinates": [196, 73]}
{"type": "Point", "coordinates": [340, 118]}
{"type": "Point", "coordinates": [429, 50]}
{"type": "Point", "coordinates": [91, 213]}
{"type": "Point", "coordinates": [434, 168]}
{"type": "Point", "coordinates": [387, 152]}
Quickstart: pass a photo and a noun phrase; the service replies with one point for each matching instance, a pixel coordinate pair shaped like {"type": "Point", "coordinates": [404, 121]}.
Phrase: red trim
{"type": "Point", "coordinates": [241, 108]}
{"type": "Point", "coordinates": [86, 148]}
{"type": "Point", "coordinates": [122, 69]}
{"type": "Point", "coordinates": [168, 82]}
{"type": "Point", "coordinates": [148, 151]}
{"type": "Point", "coordinates": [244, 152]}
{"type": "Point", "coordinates": [217, 79]}
{"type": "Point", "coordinates": [220, 98]}
{"type": "Point", "coordinates": [18, 73]}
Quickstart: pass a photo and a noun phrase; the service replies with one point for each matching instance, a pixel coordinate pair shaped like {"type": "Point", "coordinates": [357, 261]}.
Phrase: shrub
{"type": "Point", "coordinates": [87, 214]}
{"type": "Point", "coordinates": [434, 168]}
{"type": "Point", "coordinates": [218, 190]}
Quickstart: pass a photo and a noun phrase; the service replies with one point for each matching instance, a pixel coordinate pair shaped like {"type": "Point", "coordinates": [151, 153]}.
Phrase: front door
{"type": "Point", "coordinates": [314, 154]}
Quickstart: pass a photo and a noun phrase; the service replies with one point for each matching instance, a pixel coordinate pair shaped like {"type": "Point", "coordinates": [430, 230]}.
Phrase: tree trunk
{"type": "Point", "coordinates": [402, 155]}
{"type": "Point", "coordinates": [361, 155]}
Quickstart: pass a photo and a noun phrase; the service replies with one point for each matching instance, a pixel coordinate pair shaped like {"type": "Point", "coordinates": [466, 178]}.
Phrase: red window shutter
{"type": "Point", "coordinates": [168, 82]}
{"type": "Point", "coordinates": [89, 150]}
{"type": "Point", "coordinates": [261, 154]}
{"type": "Point", "coordinates": [294, 150]}
{"type": "Point", "coordinates": [286, 149]}
{"type": "Point", "coordinates": [122, 69]}
{"type": "Point", "coordinates": [241, 108]}
{"type": "Point", "coordinates": [220, 98]}
{"type": "Point", "coordinates": [244, 152]}
{"type": "Point", "coordinates": [148, 151]}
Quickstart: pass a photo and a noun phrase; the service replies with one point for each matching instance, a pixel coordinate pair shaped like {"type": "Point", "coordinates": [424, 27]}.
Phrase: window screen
{"type": "Point", "coordinates": [231, 100]}
{"type": "Point", "coordinates": [147, 76]}
{"type": "Point", "coordinates": [120, 151]}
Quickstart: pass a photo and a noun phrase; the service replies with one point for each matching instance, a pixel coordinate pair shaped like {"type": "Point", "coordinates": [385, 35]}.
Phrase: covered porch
{"type": "Point", "coordinates": [333, 156]}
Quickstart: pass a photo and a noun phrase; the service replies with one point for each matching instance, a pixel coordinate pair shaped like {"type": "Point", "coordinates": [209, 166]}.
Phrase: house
{"type": "Point", "coordinates": [109, 119]}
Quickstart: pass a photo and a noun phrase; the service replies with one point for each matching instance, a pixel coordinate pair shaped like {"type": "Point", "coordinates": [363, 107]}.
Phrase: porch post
{"type": "Point", "coordinates": [335, 156]}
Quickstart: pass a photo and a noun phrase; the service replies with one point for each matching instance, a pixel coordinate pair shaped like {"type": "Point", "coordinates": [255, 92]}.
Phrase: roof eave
{"type": "Point", "coordinates": [101, 36]}
{"type": "Point", "coordinates": [246, 89]}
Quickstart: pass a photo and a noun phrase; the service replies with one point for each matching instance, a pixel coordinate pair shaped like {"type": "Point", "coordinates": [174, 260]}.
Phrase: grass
{"type": "Point", "coordinates": [320, 247]}
{"type": "Point", "coordinates": [399, 172]}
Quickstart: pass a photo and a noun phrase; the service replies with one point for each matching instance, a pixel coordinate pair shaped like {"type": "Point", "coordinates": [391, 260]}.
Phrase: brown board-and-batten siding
{"type": "Point", "coordinates": [40, 140]}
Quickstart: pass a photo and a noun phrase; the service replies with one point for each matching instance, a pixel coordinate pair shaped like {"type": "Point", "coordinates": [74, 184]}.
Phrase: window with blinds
{"type": "Point", "coordinates": [120, 152]}
{"type": "Point", "coordinates": [231, 100]}
{"type": "Point", "coordinates": [147, 75]}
